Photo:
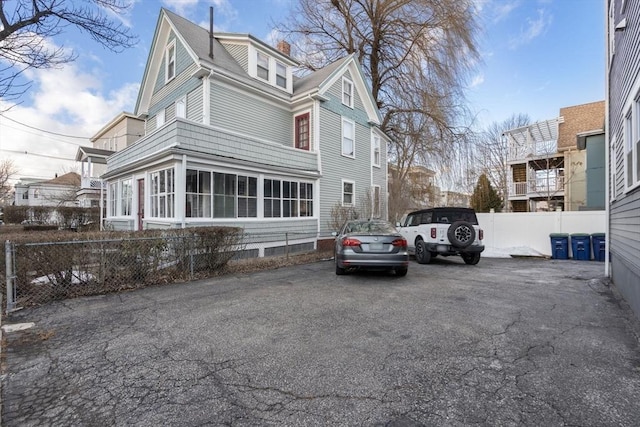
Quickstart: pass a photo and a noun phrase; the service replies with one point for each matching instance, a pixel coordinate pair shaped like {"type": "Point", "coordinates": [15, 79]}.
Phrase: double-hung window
{"type": "Point", "coordinates": [162, 194]}
{"type": "Point", "coordinates": [348, 190]}
{"type": "Point", "coordinates": [198, 194]}
{"type": "Point", "coordinates": [263, 66]}
{"type": "Point", "coordinates": [224, 195]}
{"type": "Point", "coordinates": [375, 148]}
{"type": "Point", "coordinates": [306, 199]}
{"type": "Point", "coordinates": [281, 75]}
{"type": "Point", "coordinates": [247, 197]}
{"type": "Point", "coordinates": [347, 92]}
{"type": "Point", "coordinates": [170, 61]}
{"type": "Point", "coordinates": [181, 108]}
{"type": "Point", "coordinates": [126, 194]}
{"type": "Point", "coordinates": [112, 202]}
{"type": "Point", "coordinates": [160, 118]}
{"type": "Point", "coordinates": [376, 201]}
{"type": "Point", "coordinates": [302, 131]}
{"type": "Point", "coordinates": [628, 144]}
{"type": "Point", "coordinates": [348, 138]}
{"type": "Point", "coordinates": [272, 198]}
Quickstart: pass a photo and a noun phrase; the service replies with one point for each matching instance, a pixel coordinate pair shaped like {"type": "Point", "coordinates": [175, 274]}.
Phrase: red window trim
{"type": "Point", "coordinates": [298, 121]}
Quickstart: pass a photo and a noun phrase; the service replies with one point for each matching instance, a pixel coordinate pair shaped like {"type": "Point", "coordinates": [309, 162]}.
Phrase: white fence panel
{"type": "Point", "coordinates": [532, 229]}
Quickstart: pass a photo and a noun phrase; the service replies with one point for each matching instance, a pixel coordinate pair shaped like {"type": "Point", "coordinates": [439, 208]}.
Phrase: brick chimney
{"type": "Point", "coordinates": [284, 47]}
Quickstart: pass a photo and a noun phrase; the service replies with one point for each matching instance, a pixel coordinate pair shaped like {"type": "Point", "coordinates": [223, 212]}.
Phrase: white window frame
{"type": "Point", "coordinates": [162, 202]}
{"type": "Point", "coordinates": [112, 199]}
{"type": "Point", "coordinates": [346, 138]}
{"type": "Point", "coordinates": [348, 93]}
{"type": "Point", "coordinates": [376, 210]}
{"type": "Point", "coordinates": [630, 179]}
{"type": "Point", "coordinates": [260, 54]}
{"type": "Point", "coordinates": [160, 118]}
{"type": "Point", "coordinates": [181, 107]}
{"type": "Point", "coordinates": [278, 74]}
{"type": "Point", "coordinates": [126, 197]}
{"type": "Point", "coordinates": [170, 62]}
{"type": "Point", "coordinates": [353, 192]}
{"type": "Point", "coordinates": [375, 149]}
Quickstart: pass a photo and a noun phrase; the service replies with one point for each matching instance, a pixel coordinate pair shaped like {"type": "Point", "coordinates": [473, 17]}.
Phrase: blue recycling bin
{"type": "Point", "coordinates": [581, 246]}
{"type": "Point", "coordinates": [598, 243]}
{"type": "Point", "coordinates": [559, 245]}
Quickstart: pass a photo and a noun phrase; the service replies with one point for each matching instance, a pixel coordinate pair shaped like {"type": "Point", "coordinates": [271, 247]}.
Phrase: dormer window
{"type": "Point", "coordinates": [263, 66]}
{"type": "Point", "coordinates": [170, 61]}
{"type": "Point", "coordinates": [347, 92]}
{"type": "Point", "coordinates": [281, 75]}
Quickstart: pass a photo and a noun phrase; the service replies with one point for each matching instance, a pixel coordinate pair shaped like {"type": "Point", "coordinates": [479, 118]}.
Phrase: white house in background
{"type": "Point", "coordinates": [233, 137]}
{"type": "Point", "coordinates": [59, 191]}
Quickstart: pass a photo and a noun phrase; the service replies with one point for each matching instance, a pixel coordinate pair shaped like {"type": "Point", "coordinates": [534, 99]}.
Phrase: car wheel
{"type": "Point", "coordinates": [461, 234]}
{"type": "Point", "coordinates": [471, 259]}
{"type": "Point", "coordinates": [401, 271]}
{"type": "Point", "coordinates": [423, 256]}
{"type": "Point", "coordinates": [339, 270]}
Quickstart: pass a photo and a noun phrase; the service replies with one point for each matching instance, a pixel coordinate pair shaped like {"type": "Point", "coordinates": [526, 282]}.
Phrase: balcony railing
{"type": "Point", "coordinates": [92, 183]}
{"type": "Point", "coordinates": [538, 187]}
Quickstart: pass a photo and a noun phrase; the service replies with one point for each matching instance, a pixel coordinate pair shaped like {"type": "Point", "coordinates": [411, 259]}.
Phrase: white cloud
{"type": "Point", "coordinates": [65, 102]}
{"type": "Point", "coordinates": [533, 28]}
{"type": "Point", "coordinates": [477, 80]}
{"type": "Point", "coordinates": [502, 10]}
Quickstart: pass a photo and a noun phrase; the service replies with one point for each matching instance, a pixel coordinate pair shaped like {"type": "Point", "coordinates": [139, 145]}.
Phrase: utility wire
{"type": "Point", "coordinates": [39, 155]}
{"type": "Point", "coordinates": [42, 130]}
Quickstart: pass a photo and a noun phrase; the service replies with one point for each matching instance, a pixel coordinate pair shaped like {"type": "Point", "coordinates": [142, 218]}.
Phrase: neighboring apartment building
{"type": "Point", "coordinates": [119, 133]}
{"type": "Point", "coordinates": [233, 137]}
{"type": "Point", "coordinates": [547, 168]}
{"type": "Point", "coordinates": [59, 191]}
{"type": "Point", "coordinates": [420, 190]}
{"type": "Point", "coordinates": [623, 142]}
{"type": "Point", "coordinates": [454, 198]}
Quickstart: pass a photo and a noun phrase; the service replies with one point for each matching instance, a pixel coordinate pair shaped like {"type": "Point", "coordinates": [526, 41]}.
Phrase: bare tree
{"type": "Point", "coordinates": [25, 26]}
{"type": "Point", "coordinates": [492, 152]}
{"type": "Point", "coordinates": [7, 170]}
{"type": "Point", "coordinates": [416, 56]}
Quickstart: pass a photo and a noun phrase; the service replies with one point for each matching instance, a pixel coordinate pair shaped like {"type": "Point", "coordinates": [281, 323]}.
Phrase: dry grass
{"type": "Point", "coordinates": [271, 263]}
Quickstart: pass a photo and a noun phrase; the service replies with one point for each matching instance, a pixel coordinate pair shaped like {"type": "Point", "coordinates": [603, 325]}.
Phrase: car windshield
{"type": "Point", "coordinates": [369, 227]}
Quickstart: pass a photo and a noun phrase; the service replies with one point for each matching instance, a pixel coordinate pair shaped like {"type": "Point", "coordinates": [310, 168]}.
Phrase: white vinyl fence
{"type": "Point", "coordinates": [532, 229]}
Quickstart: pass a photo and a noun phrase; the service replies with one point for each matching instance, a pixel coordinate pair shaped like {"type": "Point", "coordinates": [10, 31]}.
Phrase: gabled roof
{"type": "Point", "coordinates": [94, 153]}
{"type": "Point", "coordinates": [198, 43]}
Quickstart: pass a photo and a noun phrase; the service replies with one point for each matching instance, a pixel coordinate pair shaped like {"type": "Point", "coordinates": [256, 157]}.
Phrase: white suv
{"type": "Point", "coordinates": [443, 231]}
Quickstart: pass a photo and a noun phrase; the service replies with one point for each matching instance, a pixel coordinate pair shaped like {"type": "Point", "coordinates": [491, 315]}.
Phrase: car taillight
{"type": "Point", "coordinates": [350, 242]}
{"type": "Point", "coordinates": [481, 234]}
{"type": "Point", "coordinates": [433, 233]}
{"type": "Point", "coordinates": [400, 242]}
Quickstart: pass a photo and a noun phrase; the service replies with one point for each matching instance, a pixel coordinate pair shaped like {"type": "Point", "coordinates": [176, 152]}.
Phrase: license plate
{"type": "Point", "coordinates": [375, 246]}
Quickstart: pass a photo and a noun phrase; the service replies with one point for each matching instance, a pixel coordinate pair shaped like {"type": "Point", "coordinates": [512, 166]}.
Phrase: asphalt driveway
{"type": "Point", "coordinates": [506, 342]}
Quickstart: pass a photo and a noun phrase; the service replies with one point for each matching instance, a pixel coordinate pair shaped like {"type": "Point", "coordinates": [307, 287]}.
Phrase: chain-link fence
{"type": "Point", "coordinates": [40, 272]}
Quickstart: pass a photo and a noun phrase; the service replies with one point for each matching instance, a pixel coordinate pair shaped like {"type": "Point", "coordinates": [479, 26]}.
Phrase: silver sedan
{"type": "Point", "coordinates": [370, 245]}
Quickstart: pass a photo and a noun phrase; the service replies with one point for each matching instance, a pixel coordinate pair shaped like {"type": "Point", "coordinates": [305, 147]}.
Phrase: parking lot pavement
{"type": "Point", "coordinates": [506, 342]}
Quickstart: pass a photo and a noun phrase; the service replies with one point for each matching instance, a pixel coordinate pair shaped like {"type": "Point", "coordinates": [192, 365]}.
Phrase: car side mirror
{"type": "Point", "coordinates": [398, 224]}
{"type": "Point", "coordinates": [334, 233]}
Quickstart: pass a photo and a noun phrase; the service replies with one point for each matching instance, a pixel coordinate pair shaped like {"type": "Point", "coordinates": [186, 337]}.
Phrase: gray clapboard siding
{"type": "Point", "coordinates": [206, 139]}
{"type": "Point", "coordinates": [194, 105]}
{"type": "Point", "coordinates": [178, 87]}
{"type": "Point", "coordinates": [239, 52]}
{"type": "Point", "coordinates": [624, 225]}
{"type": "Point", "coordinates": [244, 114]}
{"type": "Point", "coordinates": [336, 167]}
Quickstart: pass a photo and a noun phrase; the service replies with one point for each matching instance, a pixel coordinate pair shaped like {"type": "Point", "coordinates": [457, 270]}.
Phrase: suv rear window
{"type": "Point", "coordinates": [441, 216]}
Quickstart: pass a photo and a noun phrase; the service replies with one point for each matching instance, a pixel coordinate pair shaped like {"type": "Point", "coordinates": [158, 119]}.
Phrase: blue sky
{"type": "Point", "coordinates": [537, 56]}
